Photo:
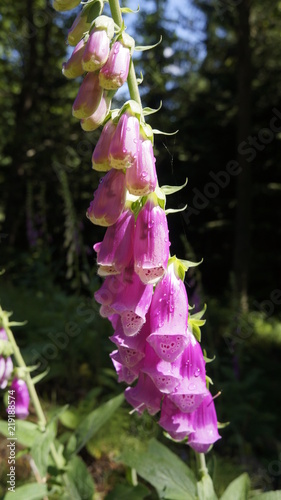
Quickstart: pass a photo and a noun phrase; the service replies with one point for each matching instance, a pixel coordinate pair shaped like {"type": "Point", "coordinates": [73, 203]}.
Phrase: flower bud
{"type": "Point", "coordinates": [73, 67]}
{"type": "Point", "coordinates": [22, 398]}
{"type": "Point", "coordinates": [151, 248]}
{"type": "Point", "coordinates": [78, 29]}
{"type": "Point", "coordinates": [96, 51]}
{"type": "Point", "coordinates": [115, 71]}
{"type": "Point", "coordinates": [97, 118]}
{"type": "Point", "coordinates": [88, 97]}
{"type": "Point", "coordinates": [63, 5]}
{"type": "Point", "coordinates": [125, 142]}
{"type": "Point", "coordinates": [109, 199]}
{"type": "Point", "coordinates": [6, 364]}
{"type": "Point", "coordinates": [141, 178]}
{"type": "Point", "coordinates": [100, 158]}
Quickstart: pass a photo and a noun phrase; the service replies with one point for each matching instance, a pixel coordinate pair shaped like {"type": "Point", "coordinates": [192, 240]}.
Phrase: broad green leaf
{"type": "Point", "coordinates": [41, 448]}
{"type": "Point", "coordinates": [79, 482]}
{"type": "Point", "coordinates": [205, 489]}
{"type": "Point", "coordinates": [237, 489]}
{"type": "Point", "coordinates": [127, 492]}
{"type": "Point", "coordinates": [271, 495]}
{"type": "Point", "coordinates": [70, 418]}
{"type": "Point", "coordinates": [32, 491]}
{"type": "Point", "coordinates": [164, 470]}
{"type": "Point", "coordinates": [92, 423]}
{"type": "Point", "coordinates": [26, 432]}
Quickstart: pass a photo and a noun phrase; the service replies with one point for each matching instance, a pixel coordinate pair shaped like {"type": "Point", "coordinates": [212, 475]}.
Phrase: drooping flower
{"type": "Point", "coordinates": [168, 316]}
{"type": "Point", "coordinates": [78, 29]}
{"type": "Point", "coordinates": [115, 71]}
{"type": "Point", "coordinates": [100, 158]}
{"type": "Point", "coordinates": [144, 396]}
{"type": "Point", "coordinates": [72, 68]}
{"type": "Point", "coordinates": [141, 178]}
{"type": "Point", "coordinates": [204, 421]}
{"type": "Point", "coordinates": [165, 375]}
{"type": "Point", "coordinates": [88, 97]}
{"type": "Point", "coordinates": [22, 398]}
{"type": "Point", "coordinates": [98, 44]}
{"type": "Point", "coordinates": [115, 252]}
{"type": "Point", "coordinates": [6, 364]}
{"type": "Point", "coordinates": [64, 5]}
{"type": "Point", "coordinates": [151, 250]}
{"type": "Point", "coordinates": [109, 199]}
{"type": "Point", "coordinates": [125, 141]}
{"type": "Point", "coordinates": [97, 118]}
{"type": "Point", "coordinates": [124, 373]}
{"type": "Point", "coordinates": [175, 422]}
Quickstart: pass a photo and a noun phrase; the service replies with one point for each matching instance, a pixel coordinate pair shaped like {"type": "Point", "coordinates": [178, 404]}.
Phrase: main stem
{"type": "Point", "coordinates": [132, 80]}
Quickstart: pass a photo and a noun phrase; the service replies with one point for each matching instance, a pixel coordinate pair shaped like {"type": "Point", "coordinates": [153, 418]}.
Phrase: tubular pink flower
{"type": "Point", "coordinates": [6, 364]}
{"type": "Point", "coordinates": [176, 423]}
{"type": "Point", "coordinates": [204, 421]}
{"type": "Point", "coordinates": [191, 390]}
{"type": "Point", "coordinates": [164, 375]}
{"type": "Point", "coordinates": [115, 71]}
{"type": "Point", "coordinates": [78, 29]}
{"type": "Point", "coordinates": [22, 398]}
{"type": "Point", "coordinates": [100, 158]}
{"type": "Point", "coordinates": [151, 250]}
{"type": "Point", "coordinates": [137, 342]}
{"type": "Point", "coordinates": [115, 252]}
{"type": "Point", "coordinates": [141, 178]}
{"type": "Point", "coordinates": [109, 199]}
{"type": "Point", "coordinates": [144, 396]}
{"type": "Point", "coordinates": [125, 141]}
{"type": "Point", "coordinates": [168, 317]}
{"type": "Point", "coordinates": [88, 97]}
{"type": "Point", "coordinates": [64, 5]}
{"type": "Point", "coordinates": [97, 118]}
{"type": "Point", "coordinates": [96, 50]}
{"type": "Point", "coordinates": [124, 373]}
{"type": "Point", "coordinates": [73, 67]}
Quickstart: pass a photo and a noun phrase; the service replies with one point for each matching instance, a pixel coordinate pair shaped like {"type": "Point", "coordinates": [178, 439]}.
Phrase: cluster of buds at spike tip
{"type": "Point", "coordinates": [6, 364]}
{"type": "Point", "coordinates": [143, 293]}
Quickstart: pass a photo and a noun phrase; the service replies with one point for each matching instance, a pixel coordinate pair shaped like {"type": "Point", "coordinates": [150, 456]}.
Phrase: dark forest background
{"type": "Point", "coordinates": [218, 75]}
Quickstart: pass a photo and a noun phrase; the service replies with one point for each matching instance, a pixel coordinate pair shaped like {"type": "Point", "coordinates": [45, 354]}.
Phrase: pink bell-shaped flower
{"type": "Point", "coordinates": [100, 158]}
{"type": "Point", "coordinates": [73, 67]}
{"type": "Point", "coordinates": [6, 364]}
{"type": "Point", "coordinates": [176, 423]}
{"type": "Point", "coordinates": [125, 141]}
{"type": "Point", "coordinates": [64, 5]}
{"type": "Point", "coordinates": [144, 396]}
{"type": "Point", "coordinates": [165, 375]}
{"type": "Point", "coordinates": [168, 317]}
{"type": "Point", "coordinates": [115, 252]}
{"type": "Point", "coordinates": [78, 29]}
{"type": "Point", "coordinates": [151, 250]}
{"type": "Point", "coordinates": [97, 118]}
{"type": "Point", "coordinates": [136, 342]}
{"type": "Point", "coordinates": [204, 421]}
{"type": "Point", "coordinates": [96, 50]}
{"type": "Point", "coordinates": [109, 199]}
{"type": "Point", "coordinates": [191, 390]}
{"type": "Point", "coordinates": [141, 178]}
{"type": "Point", "coordinates": [21, 396]}
{"type": "Point", "coordinates": [115, 71]}
{"type": "Point", "coordinates": [124, 374]}
{"type": "Point", "coordinates": [88, 97]}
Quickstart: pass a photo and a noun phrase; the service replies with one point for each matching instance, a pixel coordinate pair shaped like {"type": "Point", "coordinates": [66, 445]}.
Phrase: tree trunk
{"type": "Point", "coordinates": [243, 188]}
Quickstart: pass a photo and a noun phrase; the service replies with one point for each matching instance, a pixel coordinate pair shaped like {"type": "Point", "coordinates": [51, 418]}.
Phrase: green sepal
{"type": "Point", "coordinates": [178, 267]}
{"type": "Point", "coordinates": [222, 425]}
{"type": "Point", "coordinates": [142, 48]}
{"type": "Point", "coordinates": [175, 210]}
{"type": "Point", "coordinates": [140, 80]}
{"type": "Point", "coordinates": [195, 330]}
{"type": "Point", "coordinates": [92, 10]}
{"type": "Point", "coordinates": [40, 376]}
{"type": "Point", "coordinates": [167, 435]}
{"type": "Point", "coordinates": [146, 131]}
{"type": "Point", "coordinates": [172, 189]}
{"type": "Point", "coordinates": [201, 313]}
{"type": "Point", "coordinates": [209, 381]}
{"type": "Point", "coordinates": [208, 360]}
{"type": "Point", "coordinates": [17, 323]}
{"type": "Point", "coordinates": [6, 348]}
{"type": "Point", "coordinates": [188, 263]}
{"type": "Point", "coordinates": [127, 10]}
{"type": "Point", "coordinates": [150, 111]}
{"type": "Point", "coordinates": [133, 107]}
{"type": "Point", "coordinates": [161, 197]}
{"type": "Point", "coordinates": [156, 131]}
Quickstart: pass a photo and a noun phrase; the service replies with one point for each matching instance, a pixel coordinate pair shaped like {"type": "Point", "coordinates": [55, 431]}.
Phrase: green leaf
{"type": "Point", "coordinates": [173, 189]}
{"type": "Point", "coordinates": [205, 489]}
{"type": "Point", "coordinates": [237, 489]}
{"type": "Point", "coordinates": [26, 432]}
{"type": "Point", "coordinates": [79, 482]}
{"type": "Point", "coordinates": [41, 448]}
{"type": "Point", "coordinates": [32, 491]}
{"type": "Point", "coordinates": [142, 48]}
{"type": "Point", "coordinates": [271, 495]}
{"type": "Point", "coordinates": [127, 492]}
{"type": "Point", "coordinates": [164, 470]}
{"type": "Point", "coordinates": [92, 423]}
{"type": "Point", "coordinates": [70, 419]}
